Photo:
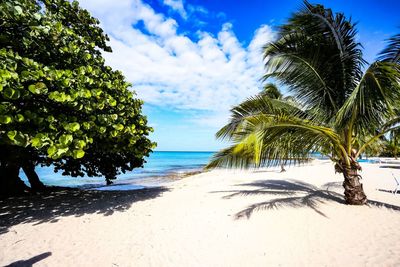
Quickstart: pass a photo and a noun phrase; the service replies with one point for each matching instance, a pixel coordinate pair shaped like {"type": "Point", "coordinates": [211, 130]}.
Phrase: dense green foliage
{"type": "Point", "coordinates": [59, 103]}
{"type": "Point", "coordinates": [338, 106]}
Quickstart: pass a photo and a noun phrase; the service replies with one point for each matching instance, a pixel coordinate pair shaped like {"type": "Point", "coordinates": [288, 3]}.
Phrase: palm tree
{"type": "Point", "coordinates": [338, 109]}
{"type": "Point", "coordinates": [272, 91]}
{"type": "Point", "coordinates": [390, 146]}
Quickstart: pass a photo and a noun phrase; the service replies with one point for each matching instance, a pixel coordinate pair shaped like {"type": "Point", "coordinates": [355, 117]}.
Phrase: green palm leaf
{"type": "Point", "coordinates": [371, 103]}
{"type": "Point", "coordinates": [392, 52]}
{"type": "Point", "coordinates": [269, 141]}
{"type": "Point", "coordinates": [257, 105]}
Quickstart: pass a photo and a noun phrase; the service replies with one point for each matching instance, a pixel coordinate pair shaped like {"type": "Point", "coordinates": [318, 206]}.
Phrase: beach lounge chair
{"type": "Point", "coordinates": [397, 183]}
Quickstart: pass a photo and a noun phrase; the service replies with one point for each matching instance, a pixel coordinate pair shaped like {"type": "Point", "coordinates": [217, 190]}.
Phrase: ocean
{"type": "Point", "coordinates": [160, 167]}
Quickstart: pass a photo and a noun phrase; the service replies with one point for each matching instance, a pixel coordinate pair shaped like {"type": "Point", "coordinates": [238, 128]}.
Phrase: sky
{"type": "Point", "coordinates": [192, 60]}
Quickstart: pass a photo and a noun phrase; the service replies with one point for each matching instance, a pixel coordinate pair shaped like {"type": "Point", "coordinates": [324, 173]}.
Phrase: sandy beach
{"type": "Point", "coordinates": [217, 218]}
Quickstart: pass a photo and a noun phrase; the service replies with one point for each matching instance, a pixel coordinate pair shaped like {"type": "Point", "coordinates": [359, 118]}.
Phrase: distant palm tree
{"type": "Point", "coordinates": [272, 91]}
{"type": "Point", "coordinates": [338, 109]}
{"type": "Point", "coordinates": [391, 145]}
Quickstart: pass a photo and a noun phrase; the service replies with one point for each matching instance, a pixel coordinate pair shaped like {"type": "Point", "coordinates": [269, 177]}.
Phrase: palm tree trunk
{"type": "Point", "coordinates": [353, 188]}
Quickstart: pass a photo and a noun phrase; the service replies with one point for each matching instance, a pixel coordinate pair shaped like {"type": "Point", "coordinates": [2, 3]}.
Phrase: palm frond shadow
{"type": "Point", "coordinates": [294, 194]}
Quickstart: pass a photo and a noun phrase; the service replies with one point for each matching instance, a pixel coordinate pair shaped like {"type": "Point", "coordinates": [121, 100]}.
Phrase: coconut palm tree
{"type": "Point", "coordinates": [341, 106]}
{"type": "Point", "coordinates": [391, 146]}
{"type": "Point", "coordinates": [272, 91]}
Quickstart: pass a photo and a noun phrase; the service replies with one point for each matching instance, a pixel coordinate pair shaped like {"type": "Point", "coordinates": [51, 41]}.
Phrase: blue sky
{"type": "Point", "coordinates": [191, 60]}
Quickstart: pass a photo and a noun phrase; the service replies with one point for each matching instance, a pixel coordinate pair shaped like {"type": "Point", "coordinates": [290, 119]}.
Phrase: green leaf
{"type": "Point", "coordinates": [66, 82]}
{"type": "Point", "coordinates": [36, 142]}
{"type": "Point", "coordinates": [114, 133]}
{"type": "Point", "coordinates": [118, 127]}
{"type": "Point", "coordinates": [40, 140]}
{"type": "Point", "coordinates": [132, 141]}
{"type": "Point", "coordinates": [5, 119]}
{"type": "Point", "coordinates": [80, 144]}
{"type": "Point", "coordinates": [21, 139]}
{"type": "Point", "coordinates": [86, 125]}
{"type": "Point", "coordinates": [59, 97]}
{"type": "Point", "coordinates": [112, 102]}
{"type": "Point", "coordinates": [51, 151]}
{"type": "Point", "coordinates": [72, 127]}
{"type": "Point", "coordinates": [11, 135]}
{"type": "Point", "coordinates": [20, 117]}
{"type": "Point", "coordinates": [37, 16]}
{"type": "Point", "coordinates": [50, 118]}
{"type": "Point", "coordinates": [12, 94]}
{"type": "Point", "coordinates": [60, 152]}
{"type": "Point", "coordinates": [65, 139]}
{"type": "Point", "coordinates": [77, 154]}
{"type": "Point", "coordinates": [85, 93]}
{"type": "Point", "coordinates": [38, 88]}
{"type": "Point", "coordinates": [18, 10]}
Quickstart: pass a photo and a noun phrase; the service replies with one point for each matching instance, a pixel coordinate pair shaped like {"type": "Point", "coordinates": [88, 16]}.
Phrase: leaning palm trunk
{"type": "Point", "coordinates": [335, 108]}
{"type": "Point", "coordinates": [353, 188]}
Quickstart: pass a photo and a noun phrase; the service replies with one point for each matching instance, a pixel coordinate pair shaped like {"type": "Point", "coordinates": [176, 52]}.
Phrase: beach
{"type": "Point", "coordinates": [217, 218]}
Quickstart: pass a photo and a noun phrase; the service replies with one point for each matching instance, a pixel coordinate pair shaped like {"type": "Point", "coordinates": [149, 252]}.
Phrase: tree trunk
{"type": "Point", "coordinates": [283, 168]}
{"type": "Point", "coordinates": [36, 184]}
{"type": "Point", "coordinates": [353, 188]}
{"type": "Point", "coordinates": [10, 183]}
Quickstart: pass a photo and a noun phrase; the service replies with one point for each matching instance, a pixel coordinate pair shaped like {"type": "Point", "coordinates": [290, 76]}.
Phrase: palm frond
{"type": "Point", "coordinates": [317, 57]}
{"type": "Point", "coordinates": [300, 69]}
{"type": "Point", "coordinates": [371, 104]}
{"type": "Point", "coordinates": [257, 106]}
{"type": "Point", "coordinates": [282, 140]}
{"type": "Point", "coordinates": [392, 52]}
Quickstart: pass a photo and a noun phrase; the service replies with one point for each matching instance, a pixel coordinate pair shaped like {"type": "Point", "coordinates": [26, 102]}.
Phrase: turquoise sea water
{"type": "Point", "coordinates": [159, 165]}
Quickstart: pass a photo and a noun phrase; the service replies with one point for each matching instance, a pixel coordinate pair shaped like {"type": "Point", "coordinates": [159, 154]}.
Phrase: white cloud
{"type": "Point", "coordinates": [197, 9]}
{"type": "Point", "coordinates": [211, 73]}
{"type": "Point", "coordinates": [176, 5]}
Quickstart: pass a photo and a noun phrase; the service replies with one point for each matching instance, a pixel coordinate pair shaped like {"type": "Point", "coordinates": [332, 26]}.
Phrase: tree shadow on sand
{"type": "Point", "coordinates": [58, 202]}
{"type": "Point", "coordinates": [30, 262]}
{"type": "Point", "coordinates": [292, 193]}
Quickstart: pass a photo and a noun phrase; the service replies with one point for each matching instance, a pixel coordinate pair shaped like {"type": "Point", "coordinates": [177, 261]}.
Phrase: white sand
{"type": "Point", "coordinates": [194, 225]}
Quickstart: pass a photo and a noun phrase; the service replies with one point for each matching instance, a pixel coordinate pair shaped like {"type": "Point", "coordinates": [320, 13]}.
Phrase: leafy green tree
{"type": "Point", "coordinates": [59, 103]}
{"type": "Point", "coordinates": [339, 109]}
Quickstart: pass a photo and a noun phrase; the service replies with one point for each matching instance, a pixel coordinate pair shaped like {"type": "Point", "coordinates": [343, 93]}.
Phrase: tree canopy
{"type": "Point", "coordinates": [59, 103]}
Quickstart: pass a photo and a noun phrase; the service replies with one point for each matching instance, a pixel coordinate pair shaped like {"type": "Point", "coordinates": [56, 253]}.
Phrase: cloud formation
{"type": "Point", "coordinates": [176, 5]}
{"type": "Point", "coordinates": [209, 72]}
